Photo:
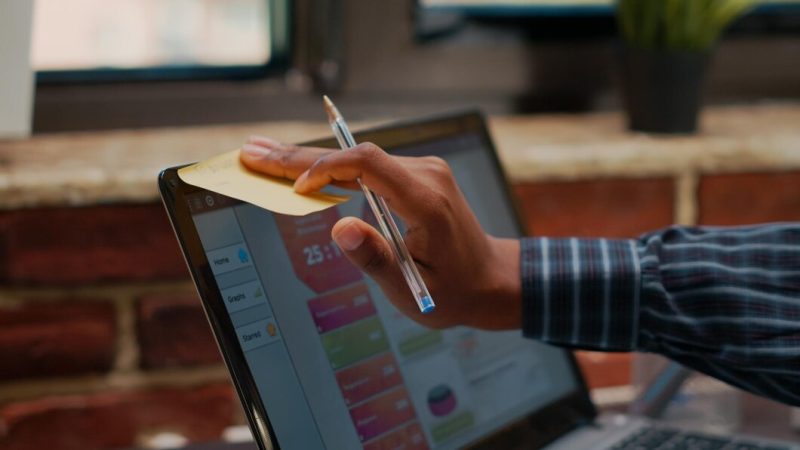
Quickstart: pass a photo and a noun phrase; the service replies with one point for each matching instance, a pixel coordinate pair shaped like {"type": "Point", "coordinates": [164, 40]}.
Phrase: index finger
{"type": "Point", "coordinates": [280, 160]}
{"type": "Point", "coordinates": [389, 176]}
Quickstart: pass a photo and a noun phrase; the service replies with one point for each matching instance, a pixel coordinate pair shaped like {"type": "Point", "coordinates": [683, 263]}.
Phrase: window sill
{"type": "Point", "coordinates": [121, 166]}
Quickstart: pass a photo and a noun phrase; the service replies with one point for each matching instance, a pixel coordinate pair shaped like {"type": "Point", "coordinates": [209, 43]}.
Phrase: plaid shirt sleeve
{"type": "Point", "coordinates": [723, 301]}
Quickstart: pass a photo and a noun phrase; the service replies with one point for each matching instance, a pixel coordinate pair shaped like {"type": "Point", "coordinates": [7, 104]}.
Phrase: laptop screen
{"type": "Point", "coordinates": [335, 364]}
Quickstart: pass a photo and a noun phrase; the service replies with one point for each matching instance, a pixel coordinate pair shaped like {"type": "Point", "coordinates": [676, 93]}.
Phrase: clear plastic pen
{"type": "Point", "coordinates": [384, 217]}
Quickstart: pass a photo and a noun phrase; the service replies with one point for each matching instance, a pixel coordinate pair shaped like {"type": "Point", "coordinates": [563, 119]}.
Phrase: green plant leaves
{"type": "Point", "coordinates": [688, 25]}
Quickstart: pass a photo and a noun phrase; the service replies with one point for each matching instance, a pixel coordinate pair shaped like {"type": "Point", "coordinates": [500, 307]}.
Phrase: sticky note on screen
{"type": "Point", "coordinates": [226, 175]}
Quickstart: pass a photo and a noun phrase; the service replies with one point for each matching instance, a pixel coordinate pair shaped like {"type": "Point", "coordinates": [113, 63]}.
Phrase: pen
{"type": "Point", "coordinates": [383, 216]}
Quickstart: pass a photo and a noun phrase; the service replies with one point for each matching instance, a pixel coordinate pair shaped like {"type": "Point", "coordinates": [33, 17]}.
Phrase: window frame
{"type": "Point", "coordinates": [280, 30]}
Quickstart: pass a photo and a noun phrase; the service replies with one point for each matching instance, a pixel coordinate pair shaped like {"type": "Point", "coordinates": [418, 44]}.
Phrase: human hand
{"type": "Point", "coordinates": [474, 278]}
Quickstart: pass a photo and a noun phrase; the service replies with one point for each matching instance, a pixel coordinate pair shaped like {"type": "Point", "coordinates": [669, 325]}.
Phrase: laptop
{"type": "Point", "coordinates": [321, 360]}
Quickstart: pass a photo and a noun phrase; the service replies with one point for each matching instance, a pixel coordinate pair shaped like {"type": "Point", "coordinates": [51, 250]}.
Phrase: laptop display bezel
{"type": "Point", "coordinates": [534, 430]}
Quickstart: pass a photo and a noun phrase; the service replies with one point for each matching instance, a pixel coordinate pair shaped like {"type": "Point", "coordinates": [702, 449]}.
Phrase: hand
{"type": "Point", "coordinates": [474, 278]}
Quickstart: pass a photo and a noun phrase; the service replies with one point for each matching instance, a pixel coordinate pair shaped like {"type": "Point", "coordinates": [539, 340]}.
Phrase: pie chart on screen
{"type": "Point", "coordinates": [441, 400]}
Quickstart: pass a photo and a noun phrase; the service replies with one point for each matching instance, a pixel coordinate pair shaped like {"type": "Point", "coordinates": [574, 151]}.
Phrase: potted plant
{"type": "Point", "coordinates": [666, 47]}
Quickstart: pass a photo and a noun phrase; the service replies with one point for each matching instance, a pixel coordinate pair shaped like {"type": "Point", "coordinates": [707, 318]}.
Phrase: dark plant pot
{"type": "Point", "coordinates": [662, 90]}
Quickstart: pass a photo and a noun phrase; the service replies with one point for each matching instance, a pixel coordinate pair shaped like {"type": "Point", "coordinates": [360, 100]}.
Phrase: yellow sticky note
{"type": "Point", "coordinates": [226, 175]}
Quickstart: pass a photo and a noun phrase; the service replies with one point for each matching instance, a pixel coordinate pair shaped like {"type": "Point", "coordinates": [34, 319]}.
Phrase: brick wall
{"type": "Point", "coordinates": [103, 342]}
{"type": "Point", "coordinates": [102, 339]}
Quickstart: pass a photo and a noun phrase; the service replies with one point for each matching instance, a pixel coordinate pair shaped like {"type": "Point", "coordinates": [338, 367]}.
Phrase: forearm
{"type": "Point", "coordinates": [724, 301]}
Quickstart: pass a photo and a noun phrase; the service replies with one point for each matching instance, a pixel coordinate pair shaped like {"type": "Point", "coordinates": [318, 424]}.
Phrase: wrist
{"type": "Point", "coordinates": [504, 296]}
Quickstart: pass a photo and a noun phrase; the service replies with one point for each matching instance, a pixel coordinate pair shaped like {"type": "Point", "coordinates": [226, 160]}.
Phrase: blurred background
{"type": "Point", "coordinates": [400, 57]}
{"type": "Point", "coordinates": [103, 343]}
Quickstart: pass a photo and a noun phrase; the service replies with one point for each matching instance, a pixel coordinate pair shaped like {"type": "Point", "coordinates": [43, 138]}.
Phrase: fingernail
{"type": "Point", "coordinates": [255, 150]}
{"type": "Point", "coordinates": [300, 181]}
{"type": "Point", "coordinates": [349, 238]}
{"type": "Point", "coordinates": [263, 140]}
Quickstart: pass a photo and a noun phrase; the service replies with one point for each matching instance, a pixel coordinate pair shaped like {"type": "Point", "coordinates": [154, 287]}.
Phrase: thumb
{"type": "Point", "coordinates": [367, 249]}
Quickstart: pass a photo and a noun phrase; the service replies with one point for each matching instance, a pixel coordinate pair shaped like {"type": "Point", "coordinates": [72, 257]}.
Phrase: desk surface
{"type": "Point", "coordinates": [759, 417]}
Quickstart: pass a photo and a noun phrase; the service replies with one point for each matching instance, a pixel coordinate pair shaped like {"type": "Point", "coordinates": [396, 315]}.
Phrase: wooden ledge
{"type": "Point", "coordinates": [121, 166]}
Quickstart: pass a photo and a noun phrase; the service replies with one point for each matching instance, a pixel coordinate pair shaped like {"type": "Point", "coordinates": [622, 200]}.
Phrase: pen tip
{"type": "Point", "coordinates": [330, 108]}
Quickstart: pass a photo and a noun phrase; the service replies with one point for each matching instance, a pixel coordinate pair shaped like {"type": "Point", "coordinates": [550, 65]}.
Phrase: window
{"type": "Point", "coordinates": [559, 7]}
{"type": "Point", "coordinates": [570, 19]}
{"type": "Point", "coordinates": [100, 40]}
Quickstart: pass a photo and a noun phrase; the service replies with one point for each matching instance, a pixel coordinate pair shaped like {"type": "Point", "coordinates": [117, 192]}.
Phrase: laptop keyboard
{"type": "Point", "coordinates": [657, 438]}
